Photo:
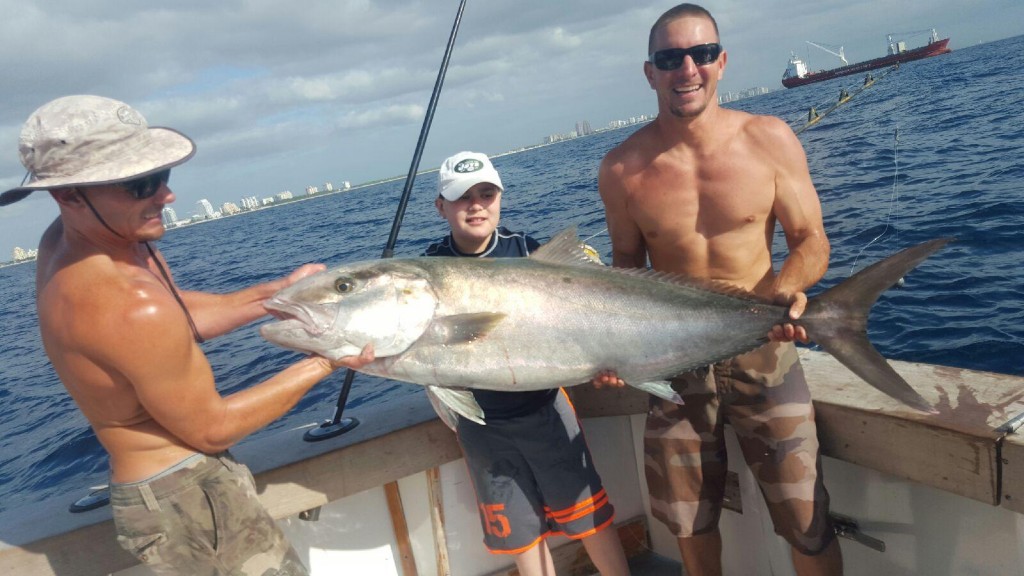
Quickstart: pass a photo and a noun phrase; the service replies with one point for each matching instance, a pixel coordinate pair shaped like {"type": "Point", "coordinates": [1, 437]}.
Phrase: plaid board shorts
{"type": "Point", "coordinates": [202, 517]}
{"type": "Point", "coordinates": [534, 477]}
{"type": "Point", "coordinates": [765, 397]}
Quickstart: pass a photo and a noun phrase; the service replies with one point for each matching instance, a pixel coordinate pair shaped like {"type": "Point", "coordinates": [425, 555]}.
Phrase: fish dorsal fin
{"type": "Point", "coordinates": [564, 248]}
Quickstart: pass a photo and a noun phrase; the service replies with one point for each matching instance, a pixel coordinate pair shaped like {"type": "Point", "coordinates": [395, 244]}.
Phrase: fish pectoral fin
{"type": "Point", "coordinates": [661, 389]}
{"type": "Point", "coordinates": [450, 401]}
{"type": "Point", "coordinates": [464, 328]}
{"type": "Point", "coordinates": [444, 412]}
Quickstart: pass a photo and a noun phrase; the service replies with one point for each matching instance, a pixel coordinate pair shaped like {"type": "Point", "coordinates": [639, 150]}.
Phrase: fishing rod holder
{"type": "Point", "coordinates": [330, 429]}
{"type": "Point", "coordinates": [337, 425]}
{"type": "Point", "coordinates": [98, 497]}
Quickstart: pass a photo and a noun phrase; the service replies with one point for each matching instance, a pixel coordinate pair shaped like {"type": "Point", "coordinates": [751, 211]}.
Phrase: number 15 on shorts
{"type": "Point", "coordinates": [495, 522]}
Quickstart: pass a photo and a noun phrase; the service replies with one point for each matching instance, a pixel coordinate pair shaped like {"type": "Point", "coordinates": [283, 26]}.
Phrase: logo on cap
{"type": "Point", "coordinates": [128, 115]}
{"type": "Point", "coordinates": [469, 165]}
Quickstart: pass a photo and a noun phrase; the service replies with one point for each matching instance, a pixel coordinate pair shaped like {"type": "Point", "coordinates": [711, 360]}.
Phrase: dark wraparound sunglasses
{"type": "Point", "coordinates": [147, 186]}
{"type": "Point", "coordinates": [672, 58]}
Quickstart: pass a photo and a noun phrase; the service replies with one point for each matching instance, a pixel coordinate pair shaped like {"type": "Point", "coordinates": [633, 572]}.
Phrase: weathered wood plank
{"type": "Point", "coordinates": [333, 475]}
{"type": "Point", "coordinates": [954, 450]}
{"type": "Point", "coordinates": [401, 528]}
{"type": "Point", "coordinates": [1013, 473]}
{"type": "Point", "coordinates": [436, 495]}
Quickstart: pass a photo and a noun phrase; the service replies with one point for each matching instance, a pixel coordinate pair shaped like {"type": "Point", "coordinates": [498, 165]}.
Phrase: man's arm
{"type": "Point", "coordinates": [217, 314]}
{"type": "Point", "coordinates": [798, 210]}
{"type": "Point", "coordinates": [151, 346]}
{"type": "Point", "coordinates": [628, 247]}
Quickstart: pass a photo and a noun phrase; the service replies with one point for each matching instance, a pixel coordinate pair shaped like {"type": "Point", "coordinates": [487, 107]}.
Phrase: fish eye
{"type": "Point", "coordinates": [344, 285]}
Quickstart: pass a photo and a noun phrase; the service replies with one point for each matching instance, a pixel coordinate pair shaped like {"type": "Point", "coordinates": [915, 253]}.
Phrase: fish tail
{"type": "Point", "coordinates": [837, 321]}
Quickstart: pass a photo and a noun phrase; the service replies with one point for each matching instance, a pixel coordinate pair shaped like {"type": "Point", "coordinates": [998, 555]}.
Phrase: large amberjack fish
{"type": "Point", "coordinates": [558, 319]}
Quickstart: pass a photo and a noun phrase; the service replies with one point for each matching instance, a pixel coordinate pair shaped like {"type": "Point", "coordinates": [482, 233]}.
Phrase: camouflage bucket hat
{"type": "Point", "coordinates": [90, 140]}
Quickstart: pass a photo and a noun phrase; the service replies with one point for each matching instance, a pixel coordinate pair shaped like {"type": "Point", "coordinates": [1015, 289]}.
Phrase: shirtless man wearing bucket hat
{"type": "Point", "coordinates": [123, 338]}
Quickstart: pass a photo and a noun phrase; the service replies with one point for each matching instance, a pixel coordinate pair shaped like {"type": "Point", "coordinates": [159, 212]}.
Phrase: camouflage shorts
{"type": "Point", "coordinates": [202, 517]}
{"type": "Point", "coordinates": [764, 395]}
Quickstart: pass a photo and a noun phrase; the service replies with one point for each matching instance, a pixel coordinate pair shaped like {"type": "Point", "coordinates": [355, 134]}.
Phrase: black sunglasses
{"type": "Point", "coordinates": [672, 58]}
{"type": "Point", "coordinates": [147, 186]}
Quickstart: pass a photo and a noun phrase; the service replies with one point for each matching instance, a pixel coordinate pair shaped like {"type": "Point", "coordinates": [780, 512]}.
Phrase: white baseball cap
{"type": "Point", "coordinates": [463, 171]}
{"type": "Point", "coordinates": [89, 140]}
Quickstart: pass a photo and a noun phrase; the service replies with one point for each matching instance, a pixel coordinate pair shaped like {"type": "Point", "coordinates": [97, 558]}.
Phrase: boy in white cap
{"type": "Point", "coordinates": [123, 338]}
{"type": "Point", "coordinates": [533, 474]}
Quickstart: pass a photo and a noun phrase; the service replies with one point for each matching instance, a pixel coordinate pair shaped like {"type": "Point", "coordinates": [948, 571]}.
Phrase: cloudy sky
{"type": "Point", "coordinates": [280, 95]}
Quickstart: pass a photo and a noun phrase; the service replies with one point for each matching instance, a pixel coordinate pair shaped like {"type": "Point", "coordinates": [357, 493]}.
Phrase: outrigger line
{"type": "Point", "coordinates": [338, 425]}
{"type": "Point", "coordinates": [894, 203]}
{"type": "Point", "coordinates": [813, 116]}
{"type": "Point", "coordinates": [894, 196]}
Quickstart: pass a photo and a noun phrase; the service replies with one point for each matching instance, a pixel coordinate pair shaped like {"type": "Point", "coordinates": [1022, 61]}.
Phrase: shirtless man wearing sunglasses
{"type": "Point", "coordinates": [123, 338]}
{"type": "Point", "coordinates": [699, 192]}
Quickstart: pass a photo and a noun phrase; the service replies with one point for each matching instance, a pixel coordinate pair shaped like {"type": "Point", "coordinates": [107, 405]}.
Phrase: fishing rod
{"type": "Point", "coordinates": [338, 425]}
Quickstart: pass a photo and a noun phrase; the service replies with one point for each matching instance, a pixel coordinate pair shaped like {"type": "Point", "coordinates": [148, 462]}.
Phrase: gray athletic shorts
{"type": "Point", "coordinates": [534, 477]}
{"type": "Point", "coordinates": [202, 517]}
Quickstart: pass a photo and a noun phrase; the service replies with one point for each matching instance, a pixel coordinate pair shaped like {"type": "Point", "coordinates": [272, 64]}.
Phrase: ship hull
{"type": "Point", "coordinates": [933, 49]}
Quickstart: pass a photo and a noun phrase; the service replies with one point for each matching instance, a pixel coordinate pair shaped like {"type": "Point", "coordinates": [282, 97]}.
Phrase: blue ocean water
{"type": "Point", "coordinates": [933, 149]}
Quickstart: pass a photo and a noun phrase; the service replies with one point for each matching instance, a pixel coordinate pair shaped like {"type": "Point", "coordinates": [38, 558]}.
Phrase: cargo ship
{"type": "Point", "coordinates": [797, 74]}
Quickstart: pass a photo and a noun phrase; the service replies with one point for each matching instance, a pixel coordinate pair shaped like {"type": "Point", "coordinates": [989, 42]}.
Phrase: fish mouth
{"type": "Point", "coordinates": [293, 316]}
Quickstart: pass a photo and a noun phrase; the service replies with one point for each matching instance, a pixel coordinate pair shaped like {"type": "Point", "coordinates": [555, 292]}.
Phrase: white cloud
{"type": "Point", "coordinates": [386, 116]}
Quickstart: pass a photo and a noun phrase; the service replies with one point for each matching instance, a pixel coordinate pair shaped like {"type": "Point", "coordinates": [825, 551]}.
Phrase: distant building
{"type": "Point", "coordinates": [229, 209]}
{"type": "Point", "coordinates": [346, 185]}
{"type": "Point", "coordinates": [206, 211]}
{"type": "Point", "coordinates": [250, 203]}
{"type": "Point", "coordinates": [286, 195]}
{"type": "Point", "coordinates": [267, 201]}
{"type": "Point", "coordinates": [583, 128]}
{"type": "Point", "coordinates": [169, 217]}
{"type": "Point", "coordinates": [328, 187]}
{"type": "Point", "coordinates": [19, 254]}
{"type": "Point", "coordinates": [310, 190]}
{"type": "Point", "coordinates": [631, 121]}
{"type": "Point", "coordinates": [748, 93]}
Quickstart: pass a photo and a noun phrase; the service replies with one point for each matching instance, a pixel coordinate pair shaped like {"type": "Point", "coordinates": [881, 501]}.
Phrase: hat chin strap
{"type": "Point", "coordinates": [97, 214]}
{"type": "Point", "coordinates": [163, 272]}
